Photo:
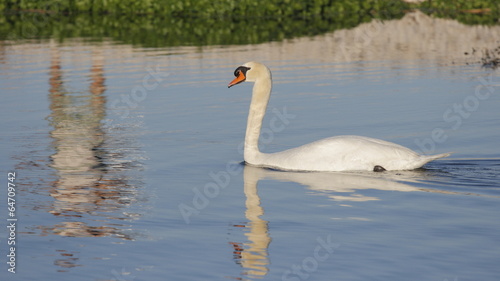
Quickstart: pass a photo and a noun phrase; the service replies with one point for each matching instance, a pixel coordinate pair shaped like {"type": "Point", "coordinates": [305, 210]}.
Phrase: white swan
{"type": "Point", "coordinates": [340, 153]}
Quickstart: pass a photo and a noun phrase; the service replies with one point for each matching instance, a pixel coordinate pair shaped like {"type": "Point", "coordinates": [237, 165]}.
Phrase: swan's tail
{"type": "Point", "coordinates": [429, 158]}
{"type": "Point", "coordinates": [424, 159]}
{"type": "Point", "coordinates": [437, 156]}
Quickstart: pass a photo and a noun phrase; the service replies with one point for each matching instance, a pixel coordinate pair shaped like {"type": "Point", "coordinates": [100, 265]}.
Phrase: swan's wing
{"type": "Point", "coordinates": [342, 153]}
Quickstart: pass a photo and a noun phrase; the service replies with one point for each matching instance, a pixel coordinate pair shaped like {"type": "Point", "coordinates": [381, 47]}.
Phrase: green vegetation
{"type": "Point", "coordinates": [204, 8]}
{"type": "Point", "coordinates": [486, 12]}
{"type": "Point", "coordinates": [158, 23]}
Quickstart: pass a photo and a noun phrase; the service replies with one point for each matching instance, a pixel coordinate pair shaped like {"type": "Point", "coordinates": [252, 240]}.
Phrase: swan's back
{"type": "Point", "coordinates": [343, 153]}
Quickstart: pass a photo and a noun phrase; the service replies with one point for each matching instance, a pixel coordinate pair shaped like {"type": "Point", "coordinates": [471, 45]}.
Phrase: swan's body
{"type": "Point", "coordinates": [340, 153]}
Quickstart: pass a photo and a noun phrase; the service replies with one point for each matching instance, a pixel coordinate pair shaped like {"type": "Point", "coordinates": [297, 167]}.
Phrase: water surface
{"type": "Point", "coordinates": [128, 159]}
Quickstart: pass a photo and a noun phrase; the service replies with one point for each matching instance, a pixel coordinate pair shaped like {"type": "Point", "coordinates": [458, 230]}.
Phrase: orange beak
{"type": "Point", "coordinates": [240, 78]}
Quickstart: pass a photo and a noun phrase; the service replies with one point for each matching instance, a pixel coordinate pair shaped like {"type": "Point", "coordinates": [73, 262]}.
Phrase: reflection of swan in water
{"type": "Point", "coordinates": [347, 186]}
{"type": "Point", "coordinates": [342, 186]}
{"type": "Point", "coordinates": [338, 186]}
{"type": "Point", "coordinates": [340, 153]}
{"type": "Point", "coordinates": [253, 255]}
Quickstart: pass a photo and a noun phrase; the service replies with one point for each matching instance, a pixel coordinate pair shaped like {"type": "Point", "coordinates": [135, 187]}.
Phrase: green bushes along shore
{"type": "Point", "coordinates": [247, 8]}
{"type": "Point", "coordinates": [156, 23]}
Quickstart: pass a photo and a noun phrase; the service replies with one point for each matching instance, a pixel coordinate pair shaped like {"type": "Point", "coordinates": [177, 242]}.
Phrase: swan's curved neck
{"type": "Point", "coordinates": [260, 97]}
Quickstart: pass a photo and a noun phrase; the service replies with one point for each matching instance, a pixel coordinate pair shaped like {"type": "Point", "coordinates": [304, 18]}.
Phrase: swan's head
{"type": "Point", "coordinates": [250, 72]}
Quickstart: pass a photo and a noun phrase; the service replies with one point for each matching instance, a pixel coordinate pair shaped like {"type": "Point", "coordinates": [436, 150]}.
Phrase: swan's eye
{"type": "Point", "coordinates": [243, 69]}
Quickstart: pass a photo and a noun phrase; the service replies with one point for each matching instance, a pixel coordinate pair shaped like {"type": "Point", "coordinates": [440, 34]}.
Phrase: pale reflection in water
{"type": "Point", "coordinates": [253, 255]}
{"type": "Point", "coordinates": [88, 190]}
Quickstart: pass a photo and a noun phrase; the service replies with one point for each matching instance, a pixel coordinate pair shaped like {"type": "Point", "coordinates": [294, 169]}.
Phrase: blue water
{"type": "Point", "coordinates": [128, 167]}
